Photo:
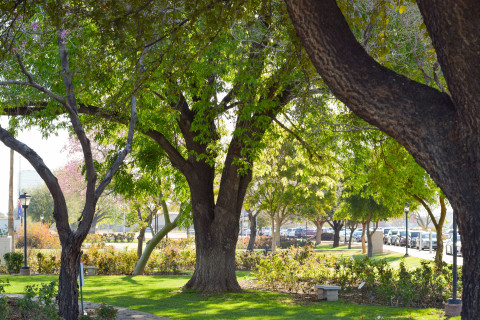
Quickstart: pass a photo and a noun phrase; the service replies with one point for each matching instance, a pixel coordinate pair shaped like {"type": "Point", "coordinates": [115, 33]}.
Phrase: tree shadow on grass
{"type": "Point", "coordinates": [163, 297]}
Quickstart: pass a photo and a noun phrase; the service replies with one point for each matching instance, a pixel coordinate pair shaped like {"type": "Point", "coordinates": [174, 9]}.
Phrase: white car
{"type": "Point", "coordinates": [291, 233]}
{"type": "Point", "coordinates": [267, 231]}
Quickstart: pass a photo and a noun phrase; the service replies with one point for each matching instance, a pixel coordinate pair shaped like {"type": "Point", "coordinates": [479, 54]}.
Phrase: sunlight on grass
{"type": "Point", "coordinates": [162, 295]}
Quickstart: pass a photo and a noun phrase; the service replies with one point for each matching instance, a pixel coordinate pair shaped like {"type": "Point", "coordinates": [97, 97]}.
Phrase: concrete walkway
{"type": "Point", "coordinates": [123, 314]}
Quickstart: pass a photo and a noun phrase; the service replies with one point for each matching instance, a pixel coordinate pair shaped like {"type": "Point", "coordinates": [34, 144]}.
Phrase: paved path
{"type": "Point", "coordinates": [123, 314]}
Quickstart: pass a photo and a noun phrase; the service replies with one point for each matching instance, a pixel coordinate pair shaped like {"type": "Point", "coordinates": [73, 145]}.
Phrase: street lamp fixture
{"type": "Point", "coordinates": [407, 208]}
{"type": "Point", "coordinates": [25, 201]}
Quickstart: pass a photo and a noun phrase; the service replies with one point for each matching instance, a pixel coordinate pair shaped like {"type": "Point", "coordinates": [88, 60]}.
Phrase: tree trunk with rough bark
{"type": "Point", "coordinates": [369, 237]}
{"type": "Point", "coordinates": [216, 227]}
{"type": "Point", "coordinates": [337, 226]}
{"type": "Point", "coordinates": [253, 230]}
{"type": "Point", "coordinates": [68, 285]}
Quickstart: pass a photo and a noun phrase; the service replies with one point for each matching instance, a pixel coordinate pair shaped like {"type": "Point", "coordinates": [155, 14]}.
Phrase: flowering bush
{"type": "Point", "coordinates": [39, 236]}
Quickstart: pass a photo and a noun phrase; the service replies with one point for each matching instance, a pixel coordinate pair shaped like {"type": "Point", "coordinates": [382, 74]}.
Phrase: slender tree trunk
{"type": "Point", "coordinates": [11, 221]}
{"type": "Point", "coordinates": [274, 238]}
{"type": "Point", "coordinates": [350, 241]}
{"type": "Point", "coordinates": [352, 229]}
{"type": "Point", "coordinates": [364, 248]}
{"type": "Point", "coordinates": [143, 259]}
{"type": "Point", "coordinates": [140, 238]}
{"type": "Point", "coordinates": [253, 230]}
{"type": "Point", "coordinates": [318, 234]}
{"type": "Point", "coordinates": [68, 286]}
{"type": "Point", "coordinates": [337, 226]}
{"type": "Point", "coordinates": [369, 236]}
{"type": "Point", "coordinates": [439, 228]}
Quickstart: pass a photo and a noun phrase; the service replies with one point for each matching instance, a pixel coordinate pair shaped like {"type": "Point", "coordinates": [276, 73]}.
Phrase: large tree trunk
{"type": "Point", "coordinates": [468, 227]}
{"type": "Point", "coordinates": [216, 227]}
{"type": "Point", "coordinates": [68, 286]}
{"type": "Point", "coordinates": [253, 230]}
{"type": "Point", "coordinates": [215, 254]}
{"type": "Point", "coordinates": [11, 221]}
{"type": "Point", "coordinates": [440, 130]}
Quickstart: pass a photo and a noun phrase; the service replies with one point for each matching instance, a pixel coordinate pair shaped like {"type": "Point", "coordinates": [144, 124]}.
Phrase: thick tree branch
{"type": "Point", "coordinates": [410, 112]}
{"type": "Point", "coordinates": [60, 206]}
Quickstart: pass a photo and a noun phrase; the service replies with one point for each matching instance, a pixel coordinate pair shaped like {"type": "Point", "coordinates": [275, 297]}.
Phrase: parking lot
{"type": "Point", "coordinates": [424, 254]}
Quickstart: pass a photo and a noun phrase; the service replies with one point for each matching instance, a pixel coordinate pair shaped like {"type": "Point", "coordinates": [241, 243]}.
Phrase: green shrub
{"type": "Point", "coordinates": [44, 307]}
{"type": "Point", "coordinates": [13, 260]}
{"type": "Point", "coordinates": [4, 309]}
{"type": "Point", "coordinates": [300, 269]}
{"type": "Point", "coordinates": [46, 264]}
{"type": "Point", "coordinates": [248, 260]}
{"type": "Point", "coordinates": [105, 312]}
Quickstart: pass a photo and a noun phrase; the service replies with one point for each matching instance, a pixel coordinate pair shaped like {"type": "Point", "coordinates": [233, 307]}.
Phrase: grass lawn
{"type": "Point", "coordinates": [161, 295]}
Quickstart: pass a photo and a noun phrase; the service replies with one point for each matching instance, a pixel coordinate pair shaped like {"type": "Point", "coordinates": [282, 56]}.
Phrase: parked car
{"type": "Point", "coordinates": [357, 236]}
{"type": "Point", "coordinates": [266, 231]}
{"type": "Point", "coordinates": [425, 241]}
{"type": "Point", "coordinates": [308, 233]}
{"type": "Point", "coordinates": [449, 246]}
{"type": "Point", "coordinates": [385, 233]}
{"type": "Point", "coordinates": [399, 236]}
{"type": "Point", "coordinates": [412, 238]}
{"type": "Point", "coordinates": [392, 234]}
{"type": "Point", "coordinates": [299, 232]}
{"type": "Point", "coordinates": [291, 233]}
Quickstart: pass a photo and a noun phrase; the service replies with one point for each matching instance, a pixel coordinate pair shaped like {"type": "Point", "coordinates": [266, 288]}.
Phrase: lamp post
{"type": "Point", "coordinates": [25, 201]}
{"type": "Point", "coordinates": [407, 207]}
{"type": "Point", "coordinates": [454, 305]}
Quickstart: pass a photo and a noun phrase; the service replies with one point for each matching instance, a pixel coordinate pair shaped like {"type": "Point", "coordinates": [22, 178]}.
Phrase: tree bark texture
{"type": "Point", "coordinates": [337, 226]}
{"type": "Point", "coordinates": [253, 231]}
{"type": "Point", "coordinates": [216, 227]}
{"type": "Point", "coordinates": [68, 285]}
{"type": "Point", "coordinates": [440, 130]}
